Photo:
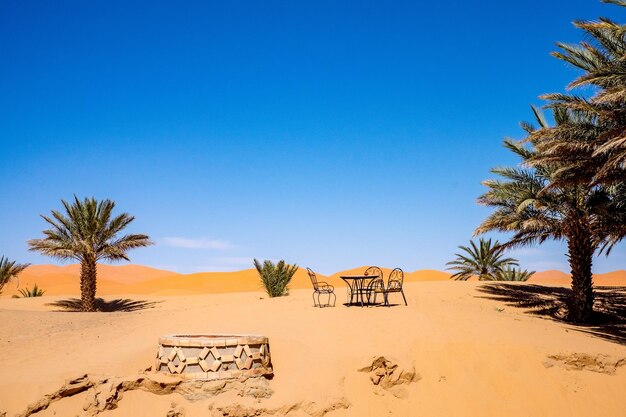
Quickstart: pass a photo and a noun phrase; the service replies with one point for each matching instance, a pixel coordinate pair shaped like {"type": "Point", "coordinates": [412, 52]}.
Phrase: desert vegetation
{"type": "Point", "coordinates": [570, 184]}
{"type": "Point", "coordinates": [8, 270]}
{"type": "Point", "coordinates": [511, 273]}
{"type": "Point", "coordinates": [275, 277]}
{"type": "Point", "coordinates": [33, 292]}
{"type": "Point", "coordinates": [487, 262]}
{"type": "Point", "coordinates": [88, 232]}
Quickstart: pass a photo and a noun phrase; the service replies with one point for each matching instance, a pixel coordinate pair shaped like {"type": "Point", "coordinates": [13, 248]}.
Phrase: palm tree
{"type": "Point", "coordinates": [484, 261]}
{"type": "Point", "coordinates": [8, 270]}
{"type": "Point", "coordinates": [513, 274]}
{"type": "Point", "coordinates": [530, 203]}
{"type": "Point", "coordinates": [88, 233]}
{"type": "Point", "coordinates": [602, 58]}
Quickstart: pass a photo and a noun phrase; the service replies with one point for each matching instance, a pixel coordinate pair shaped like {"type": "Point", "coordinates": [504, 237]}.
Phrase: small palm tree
{"type": "Point", "coordinates": [275, 277]}
{"type": "Point", "coordinates": [88, 233]}
{"type": "Point", "coordinates": [8, 270]}
{"type": "Point", "coordinates": [513, 274]}
{"type": "Point", "coordinates": [484, 261]}
{"type": "Point", "coordinates": [34, 292]}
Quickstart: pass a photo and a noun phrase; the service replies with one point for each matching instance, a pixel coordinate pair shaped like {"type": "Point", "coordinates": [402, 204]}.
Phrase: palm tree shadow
{"type": "Point", "coordinates": [608, 321]}
{"type": "Point", "coordinates": [118, 304]}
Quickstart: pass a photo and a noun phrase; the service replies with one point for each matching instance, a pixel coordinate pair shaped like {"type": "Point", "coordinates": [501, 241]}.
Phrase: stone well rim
{"type": "Point", "coordinates": [210, 340]}
{"type": "Point", "coordinates": [213, 336]}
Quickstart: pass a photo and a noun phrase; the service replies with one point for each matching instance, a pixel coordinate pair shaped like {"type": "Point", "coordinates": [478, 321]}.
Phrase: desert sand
{"type": "Point", "coordinates": [464, 354]}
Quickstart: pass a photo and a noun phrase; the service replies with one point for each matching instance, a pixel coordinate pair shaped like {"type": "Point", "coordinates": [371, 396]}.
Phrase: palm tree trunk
{"type": "Point", "coordinates": [88, 282]}
{"type": "Point", "coordinates": [580, 254]}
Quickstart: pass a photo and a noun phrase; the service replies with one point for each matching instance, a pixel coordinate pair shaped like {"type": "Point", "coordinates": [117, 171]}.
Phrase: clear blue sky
{"type": "Point", "coordinates": [331, 134]}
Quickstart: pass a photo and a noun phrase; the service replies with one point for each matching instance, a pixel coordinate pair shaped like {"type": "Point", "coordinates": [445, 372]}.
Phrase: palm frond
{"type": "Point", "coordinates": [9, 269]}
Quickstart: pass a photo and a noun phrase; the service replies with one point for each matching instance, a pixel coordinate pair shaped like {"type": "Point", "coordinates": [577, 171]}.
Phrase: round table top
{"type": "Point", "coordinates": [357, 276]}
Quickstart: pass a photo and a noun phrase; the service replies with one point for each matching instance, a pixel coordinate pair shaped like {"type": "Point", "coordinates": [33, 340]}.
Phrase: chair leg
{"type": "Point", "coordinates": [333, 296]}
{"type": "Point", "coordinates": [402, 292]}
{"type": "Point", "coordinates": [314, 305]}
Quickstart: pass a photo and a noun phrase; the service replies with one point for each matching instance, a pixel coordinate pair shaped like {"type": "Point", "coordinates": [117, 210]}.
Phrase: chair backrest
{"type": "Point", "coordinates": [396, 278]}
{"type": "Point", "coordinates": [313, 278]}
{"type": "Point", "coordinates": [374, 270]}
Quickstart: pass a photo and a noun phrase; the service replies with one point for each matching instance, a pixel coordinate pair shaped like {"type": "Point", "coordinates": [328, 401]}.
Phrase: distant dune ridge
{"type": "Point", "coordinates": [138, 279]}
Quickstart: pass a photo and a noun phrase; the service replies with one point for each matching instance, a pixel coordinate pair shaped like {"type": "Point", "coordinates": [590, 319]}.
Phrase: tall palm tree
{"type": "Point", "coordinates": [531, 204]}
{"type": "Point", "coordinates": [88, 233]}
{"type": "Point", "coordinates": [485, 261]}
{"type": "Point", "coordinates": [8, 270]}
{"type": "Point", "coordinates": [602, 59]}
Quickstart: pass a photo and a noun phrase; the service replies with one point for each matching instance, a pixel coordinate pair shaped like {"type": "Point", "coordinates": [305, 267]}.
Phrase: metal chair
{"type": "Point", "coordinates": [394, 284]}
{"type": "Point", "coordinates": [377, 285]}
{"type": "Point", "coordinates": [321, 288]}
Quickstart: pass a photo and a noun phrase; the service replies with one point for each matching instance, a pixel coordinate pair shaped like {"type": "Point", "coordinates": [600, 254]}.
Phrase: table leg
{"type": "Point", "coordinates": [352, 293]}
{"type": "Point", "coordinates": [361, 291]}
{"type": "Point", "coordinates": [351, 289]}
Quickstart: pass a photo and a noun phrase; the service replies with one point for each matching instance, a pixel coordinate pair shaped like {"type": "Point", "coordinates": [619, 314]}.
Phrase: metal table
{"type": "Point", "coordinates": [357, 285]}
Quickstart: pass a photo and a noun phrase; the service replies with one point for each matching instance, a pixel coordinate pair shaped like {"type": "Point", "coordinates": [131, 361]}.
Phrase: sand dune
{"type": "Point", "coordinates": [65, 280]}
{"type": "Point", "coordinates": [615, 278]}
{"type": "Point", "coordinates": [138, 279]}
{"type": "Point", "coordinates": [551, 277]}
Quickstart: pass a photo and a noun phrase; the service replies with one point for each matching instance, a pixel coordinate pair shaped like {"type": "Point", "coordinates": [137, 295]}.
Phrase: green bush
{"type": "Point", "coordinates": [33, 292]}
{"type": "Point", "coordinates": [275, 277]}
{"type": "Point", "coordinates": [513, 274]}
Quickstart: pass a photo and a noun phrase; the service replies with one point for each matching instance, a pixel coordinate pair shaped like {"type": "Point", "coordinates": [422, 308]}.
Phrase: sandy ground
{"type": "Point", "coordinates": [473, 356]}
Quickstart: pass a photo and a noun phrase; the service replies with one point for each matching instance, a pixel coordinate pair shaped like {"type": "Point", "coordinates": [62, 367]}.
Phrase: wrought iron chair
{"type": "Point", "coordinates": [319, 288]}
{"type": "Point", "coordinates": [377, 285]}
{"type": "Point", "coordinates": [394, 284]}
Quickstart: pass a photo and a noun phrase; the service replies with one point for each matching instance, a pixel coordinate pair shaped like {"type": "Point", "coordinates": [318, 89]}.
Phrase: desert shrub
{"type": "Point", "coordinates": [513, 274]}
{"type": "Point", "coordinates": [33, 292]}
{"type": "Point", "coordinates": [275, 277]}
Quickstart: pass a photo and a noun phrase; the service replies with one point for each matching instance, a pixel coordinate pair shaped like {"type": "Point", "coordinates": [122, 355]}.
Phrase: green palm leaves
{"type": "Point", "coordinates": [513, 274]}
{"type": "Point", "coordinates": [602, 60]}
{"type": "Point", "coordinates": [88, 229]}
{"type": "Point", "coordinates": [88, 232]}
{"type": "Point", "coordinates": [8, 270]}
{"type": "Point", "coordinates": [275, 277]}
{"type": "Point", "coordinates": [484, 260]}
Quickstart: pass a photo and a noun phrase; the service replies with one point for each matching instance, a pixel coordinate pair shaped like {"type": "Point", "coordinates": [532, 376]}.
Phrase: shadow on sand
{"type": "Point", "coordinates": [608, 321]}
{"type": "Point", "coordinates": [118, 304]}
